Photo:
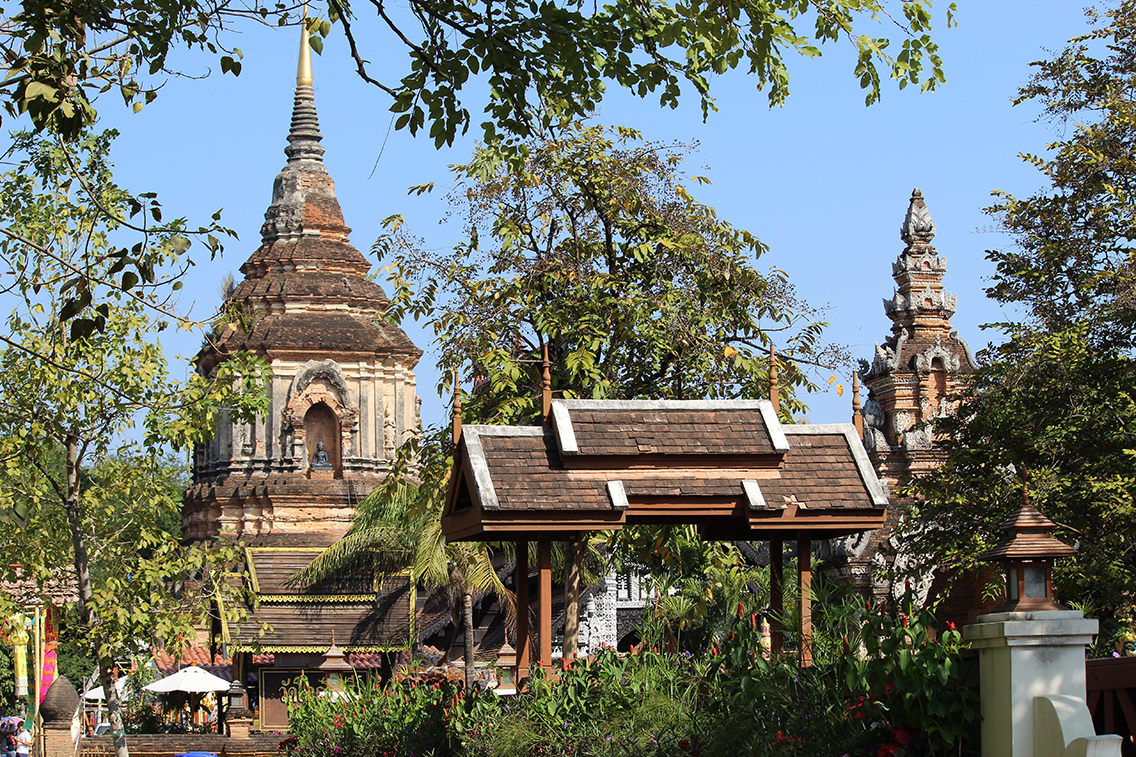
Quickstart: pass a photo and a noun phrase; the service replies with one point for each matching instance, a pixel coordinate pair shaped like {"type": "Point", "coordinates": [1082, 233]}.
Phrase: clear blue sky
{"type": "Point", "coordinates": [824, 180]}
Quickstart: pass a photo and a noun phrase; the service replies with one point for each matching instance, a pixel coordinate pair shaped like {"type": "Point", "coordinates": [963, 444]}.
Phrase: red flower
{"type": "Point", "coordinates": [950, 625]}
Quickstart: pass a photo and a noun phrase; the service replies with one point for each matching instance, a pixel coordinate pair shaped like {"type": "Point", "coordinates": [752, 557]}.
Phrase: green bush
{"type": "Point", "coordinates": [910, 678]}
{"type": "Point", "coordinates": [367, 719]}
{"type": "Point", "coordinates": [898, 693]}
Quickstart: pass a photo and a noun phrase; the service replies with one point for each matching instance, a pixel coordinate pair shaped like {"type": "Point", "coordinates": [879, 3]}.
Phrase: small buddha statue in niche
{"type": "Point", "coordinates": [320, 460]}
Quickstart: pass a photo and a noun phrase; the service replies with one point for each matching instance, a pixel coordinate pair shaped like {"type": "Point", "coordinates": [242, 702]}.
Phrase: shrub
{"type": "Point", "coordinates": [910, 679]}
{"type": "Point", "coordinates": [902, 694]}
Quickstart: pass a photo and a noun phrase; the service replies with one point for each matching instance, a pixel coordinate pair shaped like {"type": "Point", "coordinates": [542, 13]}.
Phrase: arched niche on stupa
{"type": "Point", "coordinates": [320, 385]}
{"type": "Point", "coordinates": [322, 436]}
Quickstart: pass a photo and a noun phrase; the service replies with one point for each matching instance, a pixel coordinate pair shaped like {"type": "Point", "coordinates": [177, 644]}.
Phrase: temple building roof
{"type": "Point", "coordinates": [366, 612]}
{"type": "Point", "coordinates": [728, 466]}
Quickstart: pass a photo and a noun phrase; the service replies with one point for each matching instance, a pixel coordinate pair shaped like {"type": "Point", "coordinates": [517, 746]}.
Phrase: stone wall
{"type": "Point", "coordinates": [166, 744]}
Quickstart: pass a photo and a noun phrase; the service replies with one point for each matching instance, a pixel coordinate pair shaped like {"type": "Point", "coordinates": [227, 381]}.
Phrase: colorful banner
{"type": "Point", "coordinates": [18, 635]}
{"type": "Point", "coordinates": [50, 642]}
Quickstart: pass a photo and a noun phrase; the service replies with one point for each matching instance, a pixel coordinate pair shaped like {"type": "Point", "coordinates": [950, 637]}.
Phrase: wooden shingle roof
{"type": "Point", "coordinates": [367, 613]}
{"type": "Point", "coordinates": [728, 466]}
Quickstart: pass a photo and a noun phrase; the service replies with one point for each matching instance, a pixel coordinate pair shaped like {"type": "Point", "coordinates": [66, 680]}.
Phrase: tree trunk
{"type": "Point", "coordinates": [573, 562]}
{"type": "Point", "coordinates": [467, 621]}
{"type": "Point", "coordinates": [86, 594]}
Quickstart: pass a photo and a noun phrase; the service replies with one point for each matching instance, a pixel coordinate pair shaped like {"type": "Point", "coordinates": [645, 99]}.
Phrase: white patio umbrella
{"type": "Point", "coordinates": [192, 679]}
{"type": "Point", "coordinates": [98, 695]}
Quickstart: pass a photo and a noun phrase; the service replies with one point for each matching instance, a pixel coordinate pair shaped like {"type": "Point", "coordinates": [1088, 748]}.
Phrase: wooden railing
{"type": "Point", "coordinates": [1111, 688]}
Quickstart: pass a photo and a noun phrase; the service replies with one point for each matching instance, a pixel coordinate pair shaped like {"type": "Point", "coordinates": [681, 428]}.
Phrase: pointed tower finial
{"type": "Point", "coordinates": [304, 137]}
{"type": "Point", "coordinates": [918, 228]}
{"type": "Point", "coordinates": [457, 416]}
{"type": "Point", "coordinates": [545, 386]}
{"type": "Point", "coordinates": [857, 418]}
{"type": "Point", "coordinates": [774, 393]}
{"type": "Point", "coordinates": [304, 69]}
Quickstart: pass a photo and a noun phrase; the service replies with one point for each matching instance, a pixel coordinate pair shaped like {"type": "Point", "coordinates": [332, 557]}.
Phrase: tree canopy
{"type": "Point", "coordinates": [597, 248]}
{"type": "Point", "coordinates": [535, 58]}
{"type": "Point", "coordinates": [85, 417]}
{"type": "Point", "coordinates": [1051, 409]}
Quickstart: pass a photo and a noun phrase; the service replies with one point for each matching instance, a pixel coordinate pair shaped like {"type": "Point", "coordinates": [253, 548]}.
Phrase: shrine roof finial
{"type": "Point", "coordinates": [918, 228]}
{"type": "Point", "coordinates": [1027, 536]}
{"type": "Point", "coordinates": [304, 137]}
{"type": "Point", "coordinates": [304, 69]}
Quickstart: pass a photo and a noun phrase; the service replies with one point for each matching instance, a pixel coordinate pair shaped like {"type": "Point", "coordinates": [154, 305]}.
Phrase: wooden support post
{"type": "Point", "coordinates": [544, 602]}
{"type": "Point", "coordinates": [776, 594]}
{"type": "Point", "coordinates": [805, 583]}
{"type": "Point", "coordinates": [774, 393]}
{"type": "Point", "coordinates": [521, 584]}
{"type": "Point", "coordinates": [573, 559]}
{"type": "Point", "coordinates": [545, 387]}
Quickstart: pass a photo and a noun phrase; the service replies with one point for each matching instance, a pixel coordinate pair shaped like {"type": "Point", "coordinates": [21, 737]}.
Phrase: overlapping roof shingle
{"type": "Point", "coordinates": [606, 464]}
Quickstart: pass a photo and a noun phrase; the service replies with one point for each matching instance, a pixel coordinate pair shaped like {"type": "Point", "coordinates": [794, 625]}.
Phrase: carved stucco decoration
{"type": "Point", "coordinates": [845, 548]}
{"type": "Point", "coordinates": [901, 421]}
{"type": "Point", "coordinates": [928, 299]}
{"type": "Point", "coordinates": [926, 360]}
{"type": "Point", "coordinates": [924, 261]}
{"type": "Point", "coordinates": [918, 228]}
{"type": "Point", "coordinates": [919, 438]}
{"type": "Point", "coordinates": [970, 361]}
{"type": "Point", "coordinates": [875, 438]}
{"type": "Point", "coordinates": [331, 390]}
{"type": "Point", "coordinates": [887, 356]}
{"type": "Point", "coordinates": [328, 370]}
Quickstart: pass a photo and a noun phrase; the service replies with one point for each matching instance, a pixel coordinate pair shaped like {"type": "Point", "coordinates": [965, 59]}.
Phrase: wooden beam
{"type": "Point", "coordinates": [776, 594]}
{"type": "Point", "coordinates": [521, 585]}
{"type": "Point", "coordinates": [544, 601]}
{"type": "Point", "coordinates": [573, 560]}
{"type": "Point", "coordinates": [805, 584]}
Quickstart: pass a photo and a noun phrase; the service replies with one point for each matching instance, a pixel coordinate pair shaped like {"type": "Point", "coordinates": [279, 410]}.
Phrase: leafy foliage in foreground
{"type": "Point", "coordinates": [902, 695]}
{"type": "Point", "coordinates": [87, 413]}
{"type": "Point", "coordinates": [557, 56]}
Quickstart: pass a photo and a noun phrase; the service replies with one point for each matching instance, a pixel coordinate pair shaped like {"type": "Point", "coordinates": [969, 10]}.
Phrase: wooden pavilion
{"type": "Point", "coordinates": [730, 467]}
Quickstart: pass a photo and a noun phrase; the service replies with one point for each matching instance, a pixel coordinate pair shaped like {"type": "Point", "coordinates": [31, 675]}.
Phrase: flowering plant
{"type": "Point", "coordinates": [906, 675]}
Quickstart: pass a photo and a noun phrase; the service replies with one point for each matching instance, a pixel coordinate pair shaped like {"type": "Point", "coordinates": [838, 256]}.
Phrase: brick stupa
{"type": "Point", "coordinates": [343, 377]}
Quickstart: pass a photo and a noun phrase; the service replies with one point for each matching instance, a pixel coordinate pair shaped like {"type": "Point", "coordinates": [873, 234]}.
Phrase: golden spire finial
{"type": "Point", "coordinates": [304, 69]}
{"type": "Point", "coordinates": [857, 417]}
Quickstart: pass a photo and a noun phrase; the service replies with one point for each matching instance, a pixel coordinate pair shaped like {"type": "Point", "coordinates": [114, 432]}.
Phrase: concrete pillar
{"type": "Point", "coordinates": [57, 741]}
{"type": "Point", "coordinates": [1023, 655]}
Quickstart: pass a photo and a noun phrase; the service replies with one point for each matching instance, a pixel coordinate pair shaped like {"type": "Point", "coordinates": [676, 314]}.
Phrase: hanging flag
{"type": "Point", "coordinates": [50, 642]}
{"type": "Point", "coordinates": [18, 635]}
